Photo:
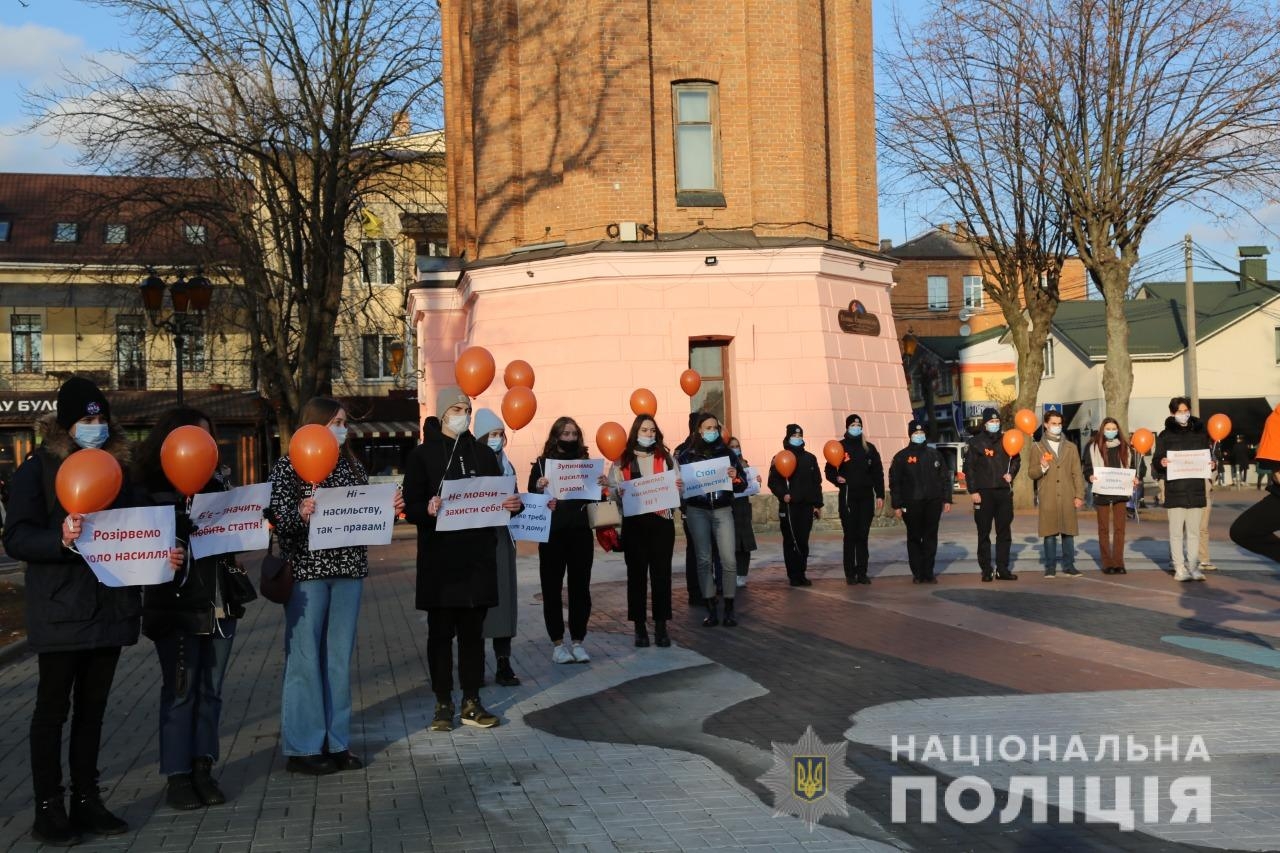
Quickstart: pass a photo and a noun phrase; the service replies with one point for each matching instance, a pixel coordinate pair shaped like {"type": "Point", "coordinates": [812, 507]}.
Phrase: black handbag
{"type": "Point", "coordinates": [275, 580]}
{"type": "Point", "coordinates": [238, 590]}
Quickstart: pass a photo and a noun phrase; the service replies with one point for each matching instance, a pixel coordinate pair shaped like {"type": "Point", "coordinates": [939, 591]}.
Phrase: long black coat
{"type": "Point", "coordinates": [805, 483]}
{"type": "Point", "coordinates": [863, 472]}
{"type": "Point", "coordinates": [67, 608]}
{"type": "Point", "coordinates": [1186, 494]}
{"type": "Point", "coordinates": [456, 568]}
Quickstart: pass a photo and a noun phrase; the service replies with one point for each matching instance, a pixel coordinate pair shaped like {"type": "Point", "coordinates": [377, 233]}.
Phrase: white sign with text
{"type": "Point", "coordinates": [705, 477]}
{"type": "Point", "coordinates": [574, 479]}
{"type": "Point", "coordinates": [129, 547]}
{"type": "Point", "coordinates": [1188, 465]}
{"type": "Point", "coordinates": [352, 515]}
{"type": "Point", "coordinates": [474, 502]}
{"type": "Point", "coordinates": [1113, 481]}
{"type": "Point", "coordinates": [533, 524]}
{"type": "Point", "coordinates": [230, 521]}
{"type": "Point", "coordinates": [654, 493]}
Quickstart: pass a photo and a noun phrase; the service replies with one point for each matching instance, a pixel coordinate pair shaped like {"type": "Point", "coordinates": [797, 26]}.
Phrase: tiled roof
{"type": "Point", "coordinates": [936, 244]}
{"type": "Point", "coordinates": [947, 347]}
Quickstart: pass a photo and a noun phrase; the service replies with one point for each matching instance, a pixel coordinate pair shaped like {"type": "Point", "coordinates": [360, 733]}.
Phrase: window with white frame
{"type": "Point", "coordinates": [378, 262]}
{"type": "Point", "coordinates": [25, 332]}
{"type": "Point", "coordinates": [937, 286]}
{"type": "Point", "coordinates": [973, 291]}
{"type": "Point", "coordinates": [377, 356]}
{"type": "Point", "coordinates": [1048, 359]}
{"type": "Point", "coordinates": [697, 140]}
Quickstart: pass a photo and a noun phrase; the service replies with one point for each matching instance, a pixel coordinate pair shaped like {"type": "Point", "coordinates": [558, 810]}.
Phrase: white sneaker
{"type": "Point", "coordinates": [562, 654]}
{"type": "Point", "coordinates": [1208, 567]}
{"type": "Point", "coordinates": [580, 654]}
{"type": "Point", "coordinates": [1197, 575]}
{"type": "Point", "coordinates": [740, 582]}
{"type": "Point", "coordinates": [1181, 575]}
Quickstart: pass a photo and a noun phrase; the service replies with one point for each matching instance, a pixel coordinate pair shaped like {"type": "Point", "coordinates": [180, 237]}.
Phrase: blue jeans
{"type": "Point", "coordinates": [704, 526]}
{"type": "Point", "coordinates": [1051, 552]}
{"type": "Point", "coordinates": [189, 716]}
{"type": "Point", "coordinates": [320, 637]}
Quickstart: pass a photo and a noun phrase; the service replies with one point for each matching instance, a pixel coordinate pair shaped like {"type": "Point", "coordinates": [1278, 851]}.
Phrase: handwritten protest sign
{"type": "Point", "coordinates": [706, 477]}
{"type": "Point", "coordinates": [129, 547]}
{"type": "Point", "coordinates": [574, 479]}
{"type": "Point", "coordinates": [226, 522]}
{"type": "Point", "coordinates": [474, 502]}
{"type": "Point", "coordinates": [753, 483]}
{"type": "Point", "coordinates": [352, 515]}
{"type": "Point", "coordinates": [533, 524]}
{"type": "Point", "coordinates": [650, 494]}
{"type": "Point", "coordinates": [1113, 481]}
{"type": "Point", "coordinates": [1188, 465]}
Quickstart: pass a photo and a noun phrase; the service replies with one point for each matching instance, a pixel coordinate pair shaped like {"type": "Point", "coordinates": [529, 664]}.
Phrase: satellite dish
{"type": "Point", "coordinates": [965, 313]}
{"type": "Point", "coordinates": [965, 331]}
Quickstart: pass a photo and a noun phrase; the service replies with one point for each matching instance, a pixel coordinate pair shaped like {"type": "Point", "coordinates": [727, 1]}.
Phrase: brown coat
{"type": "Point", "coordinates": [1059, 486]}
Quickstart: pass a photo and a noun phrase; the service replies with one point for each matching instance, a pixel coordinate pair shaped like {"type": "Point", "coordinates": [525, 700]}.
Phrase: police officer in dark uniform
{"type": "Point", "coordinates": [989, 471]}
{"type": "Point", "coordinates": [920, 488]}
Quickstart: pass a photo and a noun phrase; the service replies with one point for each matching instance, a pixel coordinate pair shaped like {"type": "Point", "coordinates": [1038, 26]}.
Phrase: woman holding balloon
{"type": "Point", "coordinates": [854, 466]}
{"type": "Point", "coordinates": [191, 619]}
{"type": "Point", "coordinates": [321, 614]}
{"type": "Point", "coordinates": [75, 625]}
{"type": "Point", "coordinates": [799, 494]}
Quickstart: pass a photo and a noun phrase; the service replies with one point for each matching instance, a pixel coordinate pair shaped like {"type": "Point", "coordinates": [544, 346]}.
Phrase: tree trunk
{"type": "Point", "coordinates": [1117, 374]}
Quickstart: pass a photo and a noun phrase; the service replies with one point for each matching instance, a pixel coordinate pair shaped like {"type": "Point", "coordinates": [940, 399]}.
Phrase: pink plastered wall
{"type": "Point", "coordinates": [597, 326]}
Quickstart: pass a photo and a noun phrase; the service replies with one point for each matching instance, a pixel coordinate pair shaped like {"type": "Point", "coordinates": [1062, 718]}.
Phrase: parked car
{"type": "Point", "coordinates": [954, 452]}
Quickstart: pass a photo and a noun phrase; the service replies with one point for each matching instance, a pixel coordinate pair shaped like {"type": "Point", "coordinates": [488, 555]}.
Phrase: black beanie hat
{"type": "Point", "coordinates": [848, 422]}
{"type": "Point", "coordinates": [78, 398]}
{"type": "Point", "coordinates": [792, 428]}
{"type": "Point", "coordinates": [989, 413]}
{"type": "Point", "coordinates": [912, 426]}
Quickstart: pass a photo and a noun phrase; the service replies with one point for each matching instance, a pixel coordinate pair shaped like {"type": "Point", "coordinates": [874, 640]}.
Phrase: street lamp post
{"type": "Point", "coordinates": [190, 300]}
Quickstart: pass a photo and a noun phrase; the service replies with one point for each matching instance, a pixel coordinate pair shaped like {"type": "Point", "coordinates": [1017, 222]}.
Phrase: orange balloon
{"type": "Point", "coordinates": [474, 371]}
{"type": "Point", "coordinates": [1142, 440]}
{"type": "Point", "coordinates": [834, 451]}
{"type": "Point", "coordinates": [314, 453]}
{"type": "Point", "coordinates": [189, 456]}
{"type": "Point", "coordinates": [1013, 441]}
{"type": "Point", "coordinates": [784, 462]}
{"type": "Point", "coordinates": [611, 438]}
{"type": "Point", "coordinates": [1219, 427]}
{"type": "Point", "coordinates": [690, 382]}
{"type": "Point", "coordinates": [88, 481]}
{"type": "Point", "coordinates": [643, 402]}
{"type": "Point", "coordinates": [518, 375]}
{"type": "Point", "coordinates": [519, 406]}
{"type": "Point", "coordinates": [1025, 420]}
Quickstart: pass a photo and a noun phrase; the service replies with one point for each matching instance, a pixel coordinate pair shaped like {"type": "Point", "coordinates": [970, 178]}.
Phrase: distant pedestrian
{"type": "Point", "coordinates": [1110, 449]}
{"type": "Point", "coordinates": [1241, 456]}
{"type": "Point", "coordinates": [989, 473]}
{"type": "Point", "coordinates": [920, 488]}
{"type": "Point", "coordinates": [799, 504]}
{"type": "Point", "coordinates": [1184, 498]}
{"type": "Point", "coordinates": [1056, 469]}
{"type": "Point", "coordinates": [1255, 528]}
{"type": "Point", "coordinates": [710, 517]}
{"type": "Point", "coordinates": [860, 480]}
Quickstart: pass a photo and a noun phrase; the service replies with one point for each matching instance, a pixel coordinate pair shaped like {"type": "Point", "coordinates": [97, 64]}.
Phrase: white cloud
{"type": "Point", "coordinates": [28, 152]}
{"type": "Point", "coordinates": [32, 49]}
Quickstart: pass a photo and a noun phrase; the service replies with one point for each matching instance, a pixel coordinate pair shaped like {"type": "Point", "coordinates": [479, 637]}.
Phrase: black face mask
{"type": "Point", "coordinates": [567, 446]}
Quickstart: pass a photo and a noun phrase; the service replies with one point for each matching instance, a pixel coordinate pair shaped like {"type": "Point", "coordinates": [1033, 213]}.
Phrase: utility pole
{"type": "Point", "coordinates": [1193, 374]}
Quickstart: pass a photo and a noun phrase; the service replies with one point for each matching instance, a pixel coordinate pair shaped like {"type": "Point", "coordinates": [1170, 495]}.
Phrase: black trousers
{"type": "Point", "coordinates": [467, 624]}
{"type": "Point", "coordinates": [922, 518]}
{"type": "Point", "coordinates": [855, 520]}
{"type": "Point", "coordinates": [997, 506]}
{"type": "Point", "coordinates": [649, 540]}
{"type": "Point", "coordinates": [568, 552]}
{"type": "Point", "coordinates": [796, 523]}
{"type": "Point", "coordinates": [75, 683]}
{"type": "Point", "coordinates": [1255, 528]}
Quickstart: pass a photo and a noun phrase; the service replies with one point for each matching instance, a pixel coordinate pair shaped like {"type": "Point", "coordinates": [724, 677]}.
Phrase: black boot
{"type": "Point", "coordinates": [180, 794]}
{"type": "Point", "coordinates": [52, 826]}
{"type": "Point", "coordinates": [504, 674]}
{"type": "Point", "coordinates": [729, 621]}
{"type": "Point", "coordinates": [91, 816]}
{"type": "Point", "coordinates": [202, 780]}
{"type": "Point", "coordinates": [660, 638]}
{"type": "Point", "coordinates": [713, 614]}
{"type": "Point", "coordinates": [642, 636]}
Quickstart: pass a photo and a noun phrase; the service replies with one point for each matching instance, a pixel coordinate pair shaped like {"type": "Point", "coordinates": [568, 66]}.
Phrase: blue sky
{"type": "Point", "coordinates": [41, 38]}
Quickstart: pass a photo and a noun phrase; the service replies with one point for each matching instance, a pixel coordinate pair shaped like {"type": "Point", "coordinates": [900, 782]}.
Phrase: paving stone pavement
{"type": "Point", "coordinates": [662, 749]}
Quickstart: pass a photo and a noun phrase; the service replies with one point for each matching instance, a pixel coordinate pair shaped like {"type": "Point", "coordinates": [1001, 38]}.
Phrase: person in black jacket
{"type": "Point", "coordinates": [457, 579]}
{"type": "Point", "coordinates": [1184, 498]}
{"type": "Point", "coordinates": [191, 620]}
{"type": "Point", "coordinates": [568, 553]}
{"type": "Point", "coordinates": [989, 471]}
{"type": "Point", "coordinates": [920, 487]}
{"type": "Point", "coordinates": [799, 503]}
{"type": "Point", "coordinates": [710, 517]}
{"type": "Point", "coordinates": [860, 479]}
{"type": "Point", "coordinates": [1255, 528]}
{"type": "Point", "coordinates": [75, 624]}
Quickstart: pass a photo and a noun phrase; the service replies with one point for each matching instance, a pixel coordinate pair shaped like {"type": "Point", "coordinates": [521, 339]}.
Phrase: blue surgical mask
{"type": "Point", "coordinates": [993, 426]}
{"type": "Point", "coordinates": [795, 442]}
{"type": "Point", "coordinates": [91, 436]}
{"type": "Point", "coordinates": [1110, 433]}
{"type": "Point", "coordinates": [1055, 430]}
{"type": "Point", "coordinates": [855, 432]}
{"type": "Point", "coordinates": [646, 441]}
{"type": "Point", "coordinates": [495, 444]}
{"type": "Point", "coordinates": [340, 433]}
{"type": "Point", "coordinates": [918, 437]}
{"type": "Point", "coordinates": [710, 436]}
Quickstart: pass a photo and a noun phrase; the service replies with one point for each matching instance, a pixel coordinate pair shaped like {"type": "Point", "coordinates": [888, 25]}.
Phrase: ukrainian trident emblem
{"type": "Point", "coordinates": [804, 773]}
{"type": "Point", "coordinates": [811, 775]}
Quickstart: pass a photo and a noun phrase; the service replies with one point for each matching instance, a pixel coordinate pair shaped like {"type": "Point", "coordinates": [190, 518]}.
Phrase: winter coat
{"type": "Point", "coordinates": [1113, 459]}
{"type": "Point", "coordinates": [287, 491]}
{"type": "Point", "coordinates": [863, 473]}
{"type": "Point", "coordinates": [67, 609]}
{"type": "Point", "coordinates": [700, 451]}
{"type": "Point", "coordinates": [190, 602]}
{"type": "Point", "coordinates": [919, 472]}
{"type": "Point", "coordinates": [986, 463]}
{"type": "Point", "coordinates": [456, 568]}
{"type": "Point", "coordinates": [1187, 493]}
{"type": "Point", "coordinates": [743, 533]}
{"type": "Point", "coordinates": [805, 484]}
{"type": "Point", "coordinates": [1061, 483]}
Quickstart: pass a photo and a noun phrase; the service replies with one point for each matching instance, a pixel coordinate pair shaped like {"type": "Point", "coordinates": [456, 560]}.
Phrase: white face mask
{"type": "Point", "coordinates": [457, 424]}
{"type": "Point", "coordinates": [91, 436]}
{"type": "Point", "coordinates": [1055, 430]}
{"type": "Point", "coordinates": [1183, 418]}
{"type": "Point", "coordinates": [340, 433]}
